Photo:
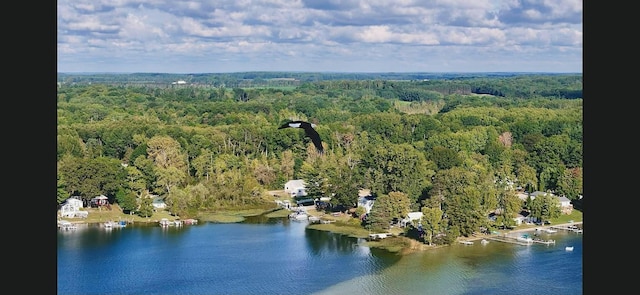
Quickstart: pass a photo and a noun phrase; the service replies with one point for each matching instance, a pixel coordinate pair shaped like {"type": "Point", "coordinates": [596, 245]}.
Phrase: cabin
{"type": "Point", "coordinates": [365, 200]}
{"type": "Point", "coordinates": [295, 188]}
{"type": "Point", "coordinates": [565, 205]}
{"type": "Point", "coordinates": [412, 217]}
{"type": "Point", "coordinates": [158, 202]}
{"type": "Point", "coordinates": [100, 201]}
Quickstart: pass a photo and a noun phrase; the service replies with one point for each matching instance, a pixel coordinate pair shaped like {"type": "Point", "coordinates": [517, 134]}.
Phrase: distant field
{"type": "Point", "coordinates": [419, 107]}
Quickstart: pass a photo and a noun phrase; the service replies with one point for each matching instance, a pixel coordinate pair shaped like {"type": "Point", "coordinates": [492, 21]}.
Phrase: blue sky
{"type": "Point", "coordinates": [217, 36]}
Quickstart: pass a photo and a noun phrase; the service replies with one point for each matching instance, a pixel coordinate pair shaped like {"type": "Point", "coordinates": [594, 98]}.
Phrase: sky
{"type": "Point", "coordinates": [220, 36]}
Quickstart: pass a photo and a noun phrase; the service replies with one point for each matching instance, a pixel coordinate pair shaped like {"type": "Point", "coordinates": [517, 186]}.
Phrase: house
{"type": "Point", "coordinates": [411, 218]}
{"type": "Point", "coordinates": [520, 218]}
{"type": "Point", "coordinates": [565, 205]}
{"type": "Point", "coordinates": [523, 217]}
{"type": "Point", "coordinates": [295, 188]}
{"type": "Point", "coordinates": [71, 208]}
{"type": "Point", "coordinates": [525, 195]}
{"type": "Point", "coordinates": [99, 201]}
{"type": "Point", "coordinates": [365, 200]}
{"type": "Point", "coordinates": [158, 202]}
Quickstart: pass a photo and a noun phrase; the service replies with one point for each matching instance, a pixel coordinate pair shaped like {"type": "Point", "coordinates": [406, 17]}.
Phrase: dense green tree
{"type": "Point", "coordinates": [203, 164]}
{"type": "Point", "coordinates": [527, 177]}
{"type": "Point", "coordinates": [545, 207]}
{"type": "Point", "coordinates": [61, 192]}
{"type": "Point", "coordinates": [226, 140]}
{"type": "Point", "coordinates": [570, 183]}
{"type": "Point", "coordinates": [127, 200]}
{"type": "Point", "coordinates": [431, 223]}
{"type": "Point", "coordinates": [92, 177]}
{"type": "Point", "coordinates": [509, 207]}
{"type": "Point", "coordinates": [444, 157]}
{"type": "Point", "coordinates": [145, 207]}
{"type": "Point", "coordinates": [397, 167]}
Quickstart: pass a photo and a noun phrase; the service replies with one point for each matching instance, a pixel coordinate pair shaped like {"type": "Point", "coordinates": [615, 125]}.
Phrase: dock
{"type": "Point", "coordinates": [505, 239]}
{"type": "Point", "coordinates": [512, 240]}
{"type": "Point", "coordinates": [570, 227]}
{"type": "Point", "coordinates": [379, 236]}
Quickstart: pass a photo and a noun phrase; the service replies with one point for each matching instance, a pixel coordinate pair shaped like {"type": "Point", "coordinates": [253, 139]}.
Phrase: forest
{"type": "Point", "coordinates": [454, 146]}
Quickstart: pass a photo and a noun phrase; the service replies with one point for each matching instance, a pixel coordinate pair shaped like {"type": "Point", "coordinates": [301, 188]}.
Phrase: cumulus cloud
{"type": "Point", "coordinates": [309, 35]}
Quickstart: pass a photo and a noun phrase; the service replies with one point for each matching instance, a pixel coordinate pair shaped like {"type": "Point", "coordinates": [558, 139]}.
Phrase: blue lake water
{"type": "Point", "coordinates": [279, 256]}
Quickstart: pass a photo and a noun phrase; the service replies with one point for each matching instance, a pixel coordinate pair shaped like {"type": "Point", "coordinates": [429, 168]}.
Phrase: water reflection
{"type": "Point", "coordinates": [321, 241]}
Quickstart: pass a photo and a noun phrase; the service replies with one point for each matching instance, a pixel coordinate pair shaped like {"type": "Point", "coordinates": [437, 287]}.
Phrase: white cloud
{"type": "Point", "coordinates": [308, 35]}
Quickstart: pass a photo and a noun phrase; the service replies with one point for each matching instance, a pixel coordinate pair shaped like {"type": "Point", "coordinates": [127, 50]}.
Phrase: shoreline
{"type": "Point", "coordinates": [409, 245]}
{"type": "Point", "coordinates": [514, 231]}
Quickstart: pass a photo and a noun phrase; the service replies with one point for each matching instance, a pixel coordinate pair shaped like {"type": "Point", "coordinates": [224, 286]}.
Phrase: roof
{"type": "Point", "coordinates": [414, 215]}
{"type": "Point", "coordinates": [539, 193]}
{"type": "Point", "coordinates": [364, 192]}
{"type": "Point", "coordinates": [296, 183]}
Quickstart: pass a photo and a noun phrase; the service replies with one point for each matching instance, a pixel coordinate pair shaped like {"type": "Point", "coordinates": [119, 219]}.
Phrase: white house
{"type": "Point", "coordinates": [565, 205]}
{"type": "Point", "coordinates": [295, 188]}
{"type": "Point", "coordinates": [411, 217]}
{"type": "Point", "coordinates": [365, 200]}
{"type": "Point", "coordinates": [158, 202]}
{"type": "Point", "coordinates": [71, 208]}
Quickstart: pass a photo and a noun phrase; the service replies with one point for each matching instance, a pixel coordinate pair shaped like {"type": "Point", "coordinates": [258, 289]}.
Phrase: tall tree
{"type": "Point", "coordinates": [431, 219]}
{"type": "Point", "coordinates": [545, 207]}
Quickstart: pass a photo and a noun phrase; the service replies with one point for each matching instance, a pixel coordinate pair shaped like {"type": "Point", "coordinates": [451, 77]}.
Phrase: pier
{"type": "Point", "coordinates": [569, 227]}
{"type": "Point", "coordinates": [512, 240]}
{"type": "Point", "coordinates": [506, 239]}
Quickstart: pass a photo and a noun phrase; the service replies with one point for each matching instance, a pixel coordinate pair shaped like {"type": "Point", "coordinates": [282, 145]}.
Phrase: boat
{"type": "Point", "coordinates": [379, 236]}
{"type": "Point", "coordinates": [550, 230]}
{"type": "Point", "coordinates": [484, 242]}
{"type": "Point", "coordinates": [299, 215]}
{"type": "Point", "coordinates": [547, 242]}
{"type": "Point", "coordinates": [314, 219]}
{"type": "Point", "coordinates": [114, 224]}
{"type": "Point", "coordinates": [466, 242]}
{"type": "Point", "coordinates": [190, 221]}
{"type": "Point", "coordinates": [525, 238]}
{"type": "Point", "coordinates": [165, 222]}
{"type": "Point", "coordinates": [568, 248]}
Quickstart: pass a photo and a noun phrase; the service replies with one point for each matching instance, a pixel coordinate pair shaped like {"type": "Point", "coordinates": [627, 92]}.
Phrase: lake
{"type": "Point", "coordinates": [279, 256]}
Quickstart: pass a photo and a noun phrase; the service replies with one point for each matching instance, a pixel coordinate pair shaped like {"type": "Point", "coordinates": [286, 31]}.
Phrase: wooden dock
{"type": "Point", "coordinates": [512, 240]}
{"type": "Point", "coordinates": [505, 239]}
{"type": "Point", "coordinates": [569, 227]}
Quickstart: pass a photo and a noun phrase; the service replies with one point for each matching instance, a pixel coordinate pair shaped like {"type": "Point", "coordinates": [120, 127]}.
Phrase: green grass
{"type": "Point", "coordinates": [223, 216]}
{"type": "Point", "coordinates": [575, 216]}
{"type": "Point", "coordinates": [391, 244]}
{"type": "Point", "coordinates": [278, 213]}
{"type": "Point", "coordinates": [115, 214]}
{"type": "Point", "coordinates": [341, 228]}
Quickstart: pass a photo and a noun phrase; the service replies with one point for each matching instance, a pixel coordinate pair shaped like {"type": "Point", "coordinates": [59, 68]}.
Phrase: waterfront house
{"type": "Point", "coordinates": [158, 202]}
{"type": "Point", "coordinates": [365, 200]}
{"type": "Point", "coordinates": [295, 188]}
{"type": "Point", "coordinates": [71, 208]}
{"type": "Point", "coordinates": [100, 201]}
{"type": "Point", "coordinates": [565, 205]}
{"type": "Point", "coordinates": [411, 218]}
